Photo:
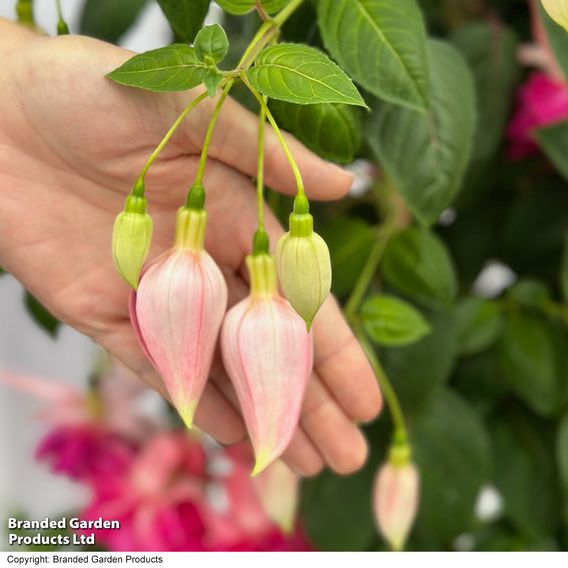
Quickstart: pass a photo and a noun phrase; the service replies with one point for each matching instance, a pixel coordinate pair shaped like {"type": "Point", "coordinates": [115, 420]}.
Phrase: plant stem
{"type": "Point", "coordinates": [170, 133]}
{"type": "Point", "coordinates": [260, 171]}
{"type": "Point", "coordinates": [281, 140]}
{"type": "Point", "coordinates": [209, 133]}
{"type": "Point", "coordinates": [389, 393]}
{"type": "Point", "coordinates": [383, 235]}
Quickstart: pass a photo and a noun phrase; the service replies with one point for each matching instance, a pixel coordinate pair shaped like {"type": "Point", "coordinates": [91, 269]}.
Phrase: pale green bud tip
{"type": "Point", "coordinates": [190, 228]}
{"type": "Point", "coordinates": [262, 270]}
{"type": "Point", "coordinates": [262, 462]}
{"type": "Point", "coordinates": [400, 454]}
{"type": "Point", "coordinates": [131, 239]}
{"type": "Point", "coordinates": [260, 242]}
{"type": "Point", "coordinates": [304, 269]}
{"type": "Point", "coordinates": [187, 413]}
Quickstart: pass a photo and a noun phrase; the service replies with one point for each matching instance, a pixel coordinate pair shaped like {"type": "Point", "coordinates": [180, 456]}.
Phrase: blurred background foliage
{"type": "Point", "coordinates": [485, 392]}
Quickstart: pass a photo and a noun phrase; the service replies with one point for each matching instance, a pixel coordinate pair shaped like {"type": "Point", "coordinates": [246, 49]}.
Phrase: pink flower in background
{"type": "Point", "coordinates": [83, 452]}
{"type": "Point", "coordinates": [95, 432]}
{"type": "Point", "coordinates": [158, 501]}
{"type": "Point", "coordinates": [541, 101]}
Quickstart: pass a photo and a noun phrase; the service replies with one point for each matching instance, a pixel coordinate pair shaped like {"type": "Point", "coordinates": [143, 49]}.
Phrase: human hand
{"type": "Point", "coordinates": [74, 143]}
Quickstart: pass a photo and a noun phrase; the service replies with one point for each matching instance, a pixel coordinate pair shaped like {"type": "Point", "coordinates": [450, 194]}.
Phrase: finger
{"type": "Point", "coordinates": [301, 455]}
{"type": "Point", "coordinates": [337, 439]}
{"type": "Point", "coordinates": [343, 366]}
{"type": "Point", "coordinates": [235, 143]}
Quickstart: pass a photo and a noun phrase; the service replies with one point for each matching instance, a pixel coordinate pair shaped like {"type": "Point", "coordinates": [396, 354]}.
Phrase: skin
{"type": "Point", "coordinates": [71, 145]}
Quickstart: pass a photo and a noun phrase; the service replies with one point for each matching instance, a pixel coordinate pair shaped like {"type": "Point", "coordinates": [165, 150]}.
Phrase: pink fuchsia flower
{"type": "Point", "coordinates": [395, 500]}
{"type": "Point", "coordinates": [177, 312]}
{"type": "Point", "coordinates": [159, 501]}
{"type": "Point", "coordinates": [268, 355]}
{"type": "Point", "coordinates": [541, 101]}
{"type": "Point", "coordinates": [86, 442]}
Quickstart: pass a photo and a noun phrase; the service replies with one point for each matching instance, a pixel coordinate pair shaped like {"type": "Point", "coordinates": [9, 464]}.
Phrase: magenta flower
{"type": "Point", "coordinates": [177, 312]}
{"type": "Point", "coordinates": [268, 356]}
{"type": "Point", "coordinates": [158, 501]}
{"type": "Point", "coordinates": [541, 101]}
{"type": "Point", "coordinates": [85, 452]}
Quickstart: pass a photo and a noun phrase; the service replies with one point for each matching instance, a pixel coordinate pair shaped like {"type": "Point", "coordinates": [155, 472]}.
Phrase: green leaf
{"type": "Point", "coordinates": [491, 51]}
{"type": "Point", "coordinates": [390, 321]}
{"type": "Point", "coordinates": [211, 44]}
{"type": "Point", "coordinates": [564, 270]}
{"type": "Point", "coordinates": [185, 16]}
{"type": "Point", "coordinates": [523, 454]}
{"type": "Point", "coordinates": [109, 20]}
{"type": "Point", "coordinates": [300, 74]}
{"type": "Point", "coordinates": [350, 241]}
{"type": "Point", "coordinates": [529, 292]}
{"type": "Point", "coordinates": [333, 131]}
{"type": "Point", "coordinates": [562, 450]}
{"type": "Point", "coordinates": [480, 324]}
{"type": "Point", "coordinates": [382, 45]}
{"type": "Point", "coordinates": [212, 79]}
{"type": "Point", "coordinates": [553, 141]}
{"type": "Point", "coordinates": [451, 449]}
{"type": "Point", "coordinates": [530, 354]}
{"type": "Point", "coordinates": [171, 68]}
{"type": "Point", "coordinates": [240, 7]}
{"type": "Point", "coordinates": [417, 371]}
{"type": "Point", "coordinates": [557, 37]}
{"type": "Point", "coordinates": [426, 154]}
{"type": "Point", "coordinates": [417, 264]}
{"type": "Point", "coordinates": [40, 315]}
{"type": "Point", "coordinates": [336, 511]}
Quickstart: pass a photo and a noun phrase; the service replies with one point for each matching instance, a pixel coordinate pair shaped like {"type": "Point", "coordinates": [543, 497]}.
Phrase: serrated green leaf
{"type": "Point", "coordinates": [417, 264]}
{"type": "Point", "coordinates": [557, 38]}
{"type": "Point", "coordinates": [303, 75]}
{"type": "Point", "coordinates": [553, 141]}
{"type": "Point", "coordinates": [451, 448]}
{"type": "Point", "coordinates": [41, 315]}
{"type": "Point", "coordinates": [491, 52]}
{"type": "Point", "coordinates": [211, 44]}
{"type": "Point", "coordinates": [392, 322]}
{"type": "Point", "coordinates": [418, 370]}
{"type": "Point", "coordinates": [171, 68]}
{"type": "Point", "coordinates": [348, 255]}
{"type": "Point", "coordinates": [240, 7]}
{"type": "Point", "coordinates": [109, 20]}
{"type": "Point", "coordinates": [530, 354]}
{"type": "Point", "coordinates": [330, 130]}
{"type": "Point", "coordinates": [425, 154]}
{"type": "Point", "coordinates": [382, 45]}
{"type": "Point", "coordinates": [185, 16]}
{"type": "Point", "coordinates": [480, 324]}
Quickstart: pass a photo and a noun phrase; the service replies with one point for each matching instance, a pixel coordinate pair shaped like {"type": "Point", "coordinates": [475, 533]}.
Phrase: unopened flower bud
{"type": "Point", "coordinates": [558, 11]}
{"type": "Point", "coordinates": [396, 496]}
{"type": "Point", "coordinates": [278, 488]}
{"type": "Point", "coordinates": [268, 356]}
{"type": "Point", "coordinates": [177, 313]}
{"type": "Point", "coordinates": [131, 238]}
{"type": "Point", "coordinates": [304, 265]}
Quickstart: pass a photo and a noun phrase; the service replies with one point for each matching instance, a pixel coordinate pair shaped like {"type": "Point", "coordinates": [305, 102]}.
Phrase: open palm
{"type": "Point", "coordinates": [72, 143]}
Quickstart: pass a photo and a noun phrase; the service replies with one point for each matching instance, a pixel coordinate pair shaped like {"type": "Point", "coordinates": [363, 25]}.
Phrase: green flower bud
{"type": "Point", "coordinates": [131, 238]}
{"type": "Point", "coordinates": [304, 267]}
